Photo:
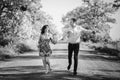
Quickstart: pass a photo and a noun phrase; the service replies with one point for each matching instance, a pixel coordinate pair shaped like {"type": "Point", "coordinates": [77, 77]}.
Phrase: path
{"type": "Point", "coordinates": [29, 67]}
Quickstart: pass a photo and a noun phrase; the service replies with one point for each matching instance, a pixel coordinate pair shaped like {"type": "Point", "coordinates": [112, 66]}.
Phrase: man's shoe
{"type": "Point", "coordinates": [74, 73]}
{"type": "Point", "coordinates": [68, 68]}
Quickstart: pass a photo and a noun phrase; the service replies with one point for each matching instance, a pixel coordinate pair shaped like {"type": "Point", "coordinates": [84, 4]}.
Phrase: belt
{"type": "Point", "coordinates": [73, 43]}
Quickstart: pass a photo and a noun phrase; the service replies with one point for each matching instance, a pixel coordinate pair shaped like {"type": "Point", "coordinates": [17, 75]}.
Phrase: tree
{"type": "Point", "coordinates": [116, 4]}
{"type": "Point", "coordinates": [8, 20]}
{"type": "Point", "coordinates": [21, 19]}
{"type": "Point", "coordinates": [32, 21]}
{"type": "Point", "coordinates": [94, 15]}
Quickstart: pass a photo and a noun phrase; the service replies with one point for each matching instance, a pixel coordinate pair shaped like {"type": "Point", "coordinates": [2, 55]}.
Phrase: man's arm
{"type": "Point", "coordinates": [64, 35]}
{"type": "Point", "coordinates": [82, 29]}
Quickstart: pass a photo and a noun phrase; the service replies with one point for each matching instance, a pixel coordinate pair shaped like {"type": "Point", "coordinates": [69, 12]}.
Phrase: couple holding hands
{"type": "Point", "coordinates": [73, 38]}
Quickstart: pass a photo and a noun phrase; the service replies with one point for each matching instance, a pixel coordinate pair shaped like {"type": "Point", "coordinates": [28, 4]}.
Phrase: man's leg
{"type": "Point", "coordinates": [70, 50]}
{"type": "Point", "coordinates": [76, 51]}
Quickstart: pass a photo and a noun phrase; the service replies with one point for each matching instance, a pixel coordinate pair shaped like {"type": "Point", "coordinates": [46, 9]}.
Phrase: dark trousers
{"type": "Point", "coordinates": [73, 48]}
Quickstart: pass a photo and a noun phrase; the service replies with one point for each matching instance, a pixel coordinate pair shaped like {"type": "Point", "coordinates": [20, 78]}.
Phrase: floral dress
{"type": "Point", "coordinates": [44, 47]}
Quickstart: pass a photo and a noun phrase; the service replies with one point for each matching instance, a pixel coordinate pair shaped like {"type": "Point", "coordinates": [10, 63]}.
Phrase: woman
{"type": "Point", "coordinates": [44, 47]}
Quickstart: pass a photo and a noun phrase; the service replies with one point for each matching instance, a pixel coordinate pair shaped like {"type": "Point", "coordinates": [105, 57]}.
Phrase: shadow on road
{"type": "Point", "coordinates": [37, 73]}
{"type": "Point", "coordinates": [81, 57]}
{"type": "Point", "coordinates": [105, 70]}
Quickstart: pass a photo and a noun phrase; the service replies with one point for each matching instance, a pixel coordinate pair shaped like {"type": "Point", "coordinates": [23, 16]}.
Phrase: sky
{"type": "Point", "coordinates": [58, 8]}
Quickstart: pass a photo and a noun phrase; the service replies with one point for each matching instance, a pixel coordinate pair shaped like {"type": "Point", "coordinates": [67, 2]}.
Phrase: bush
{"type": "Point", "coordinates": [6, 52]}
{"type": "Point", "coordinates": [4, 42]}
{"type": "Point", "coordinates": [108, 51]}
{"type": "Point", "coordinates": [21, 48]}
{"type": "Point", "coordinates": [11, 51]}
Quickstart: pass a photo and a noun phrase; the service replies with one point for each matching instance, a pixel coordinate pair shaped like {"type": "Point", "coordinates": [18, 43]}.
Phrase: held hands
{"type": "Point", "coordinates": [58, 38]}
{"type": "Point", "coordinates": [54, 39]}
{"type": "Point", "coordinates": [65, 36]}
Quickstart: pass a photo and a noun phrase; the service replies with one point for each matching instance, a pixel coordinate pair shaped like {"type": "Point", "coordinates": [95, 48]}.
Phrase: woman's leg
{"type": "Point", "coordinates": [48, 63]}
{"type": "Point", "coordinates": [44, 62]}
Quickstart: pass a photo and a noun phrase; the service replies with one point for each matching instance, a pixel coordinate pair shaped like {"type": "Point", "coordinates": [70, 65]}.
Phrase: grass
{"type": "Point", "coordinates": [6, 53]}
{"type": "Point", "coordinates": [22, 48]}
{"type": "Point", "coordinates": [108, 51]}
{"type": "Point", "coordinates": [10, 51]}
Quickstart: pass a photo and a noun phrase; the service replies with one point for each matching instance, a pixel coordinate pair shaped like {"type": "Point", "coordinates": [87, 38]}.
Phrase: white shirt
{"type": "Point", "coordinates": [73, 34]}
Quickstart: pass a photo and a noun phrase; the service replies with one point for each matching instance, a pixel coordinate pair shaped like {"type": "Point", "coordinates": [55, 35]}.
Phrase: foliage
{"type": "Point", "coordinates": [7, 52]}
{"type": "Point", "coordinates": [108, 51]}
{"type": "Point", "coordinates": [92, 36]}
{"type": "Point", "coordinates": [94, 15]}
{"type": "Point", "coordinates": [32, 21]}
{"type": "Point", "coordinates": [21, 48]}
{"type": "Point", "coordinates": [116, 4]}
{"type": "Point", "coordinates": [21, 19]}
{"type": "Point", "coordinates": [10, 19]}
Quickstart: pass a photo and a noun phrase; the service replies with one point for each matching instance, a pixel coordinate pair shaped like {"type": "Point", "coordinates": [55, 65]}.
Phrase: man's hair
{"type": "Point", "coordinates": [73, 19]}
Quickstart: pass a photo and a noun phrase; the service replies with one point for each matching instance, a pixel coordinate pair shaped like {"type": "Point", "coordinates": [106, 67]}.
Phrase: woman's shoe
{"type": "Point", "coordinates": [46, 72]}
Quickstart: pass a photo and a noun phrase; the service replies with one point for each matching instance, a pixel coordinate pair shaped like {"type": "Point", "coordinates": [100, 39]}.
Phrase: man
{"type": "Point", "coordinates": [73, 39]}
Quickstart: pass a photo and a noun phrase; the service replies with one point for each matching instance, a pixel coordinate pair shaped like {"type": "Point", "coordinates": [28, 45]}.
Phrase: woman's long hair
{"type": "Point", "coordinates": [43, 29]}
